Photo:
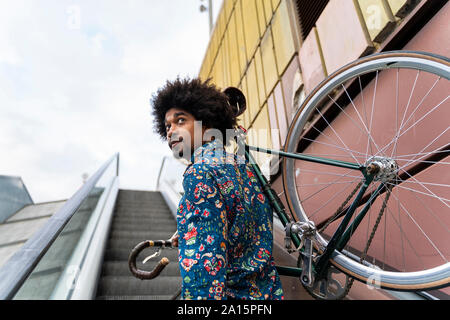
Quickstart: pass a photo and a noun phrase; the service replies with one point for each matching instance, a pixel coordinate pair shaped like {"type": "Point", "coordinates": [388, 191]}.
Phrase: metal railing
{"type": "Point", "coordinates": [170, 182]}
{"type": "Point", "coordinates": [23, 263]}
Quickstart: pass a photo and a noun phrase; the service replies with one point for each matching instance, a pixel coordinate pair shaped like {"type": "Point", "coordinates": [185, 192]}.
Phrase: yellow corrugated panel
{"type": "Point", "coordinates": [273, 121]}
{"type": "Point", "coordinates": [213, 75]}
{"type": "Point", "coordinates": [261, 16]}
{"type": "Point", "coordinates": [263, 125]}
{"type": "Point", "coordinates": [261, 136]}
{"type": "Point", "coordinates": [207, 64]}
{"type": "Point", "coordinates": [218, 70]}
{"type": "Point", "coordinates": [228, 7]}
{"type": "Point", "coordinates": [246, 122]}
{"type": "Point", "coordinates": [243, 88]}
{"type": "Point", "coordinates": [226, 61]}
{"type": "Point", "coordinates": [221, 24]}
{"type": "Point", "coordinates": [235, 71]}
{"type": "Point", "coordinates": [252, 93]}
{"type": "Point", "coordinates": [260, 75]}
{"type": "Point", "coordinates": [214, 46]}
{"type": "Point", "coordinates": [267, 10]}
{"type": "Point", "coordinates": [282, 36]}
{"type": "Point", "coordinates": [240, 37]}
{"type": "Point", "coordinates": [203, 74]}
{"type": "Point", "coordinates": [275, 4]}
{"type": "Point", "coordinates": [251, 27]}
{"type": "Point", "coordinates": [268, 61]}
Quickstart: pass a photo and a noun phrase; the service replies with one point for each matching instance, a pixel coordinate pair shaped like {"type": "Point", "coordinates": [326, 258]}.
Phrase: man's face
{"type": "Point", "coordinates": [184, 133]}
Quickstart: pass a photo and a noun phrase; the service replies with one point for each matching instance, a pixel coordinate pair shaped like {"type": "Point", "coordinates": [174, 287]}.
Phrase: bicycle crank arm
{"type": "Point", "coordinates": [306, 277]}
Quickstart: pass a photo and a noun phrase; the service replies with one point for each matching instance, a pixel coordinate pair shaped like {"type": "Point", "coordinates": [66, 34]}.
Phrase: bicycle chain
{"type": "Point", "coordinates": [341, 207]}
{"type": "Point", "coordinates": [372, 235]}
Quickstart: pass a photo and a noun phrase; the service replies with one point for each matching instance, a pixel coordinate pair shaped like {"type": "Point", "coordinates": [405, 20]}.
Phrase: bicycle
{"type": "Point", "coordinates": [399, 150]}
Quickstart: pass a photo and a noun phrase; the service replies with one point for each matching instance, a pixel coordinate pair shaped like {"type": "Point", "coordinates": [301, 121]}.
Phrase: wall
{"type": "Point", "coordinates": [258, 46]}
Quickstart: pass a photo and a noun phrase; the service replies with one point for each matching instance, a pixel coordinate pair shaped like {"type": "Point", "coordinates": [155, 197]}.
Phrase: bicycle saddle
{"type": "Point", "coordinates": [236, 99]}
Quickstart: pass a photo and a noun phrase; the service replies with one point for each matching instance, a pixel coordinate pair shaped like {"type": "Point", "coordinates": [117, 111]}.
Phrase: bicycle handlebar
{"type": "Point", "coordinates": [142, 274]}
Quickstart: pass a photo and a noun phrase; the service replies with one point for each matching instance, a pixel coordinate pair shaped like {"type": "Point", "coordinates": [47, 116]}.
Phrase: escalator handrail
{"type": "Point", "coordinates": [17, 269]}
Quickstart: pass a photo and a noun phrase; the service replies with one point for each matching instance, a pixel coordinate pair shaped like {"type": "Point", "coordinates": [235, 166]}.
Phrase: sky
{"type": "Point", "coordinates": [76, 78]}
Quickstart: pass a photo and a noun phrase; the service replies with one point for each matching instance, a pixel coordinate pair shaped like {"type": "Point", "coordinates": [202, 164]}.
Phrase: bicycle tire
{"type": "Point", "coordinates": [328, 106]}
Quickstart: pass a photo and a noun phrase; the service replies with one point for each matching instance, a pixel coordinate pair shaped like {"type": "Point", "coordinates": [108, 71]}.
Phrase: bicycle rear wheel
{"type": "Point", "coordinates": [393, 108]}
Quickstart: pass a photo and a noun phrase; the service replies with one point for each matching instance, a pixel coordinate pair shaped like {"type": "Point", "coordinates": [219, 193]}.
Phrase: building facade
{"type": "Point", "coordinates": [278, 51]}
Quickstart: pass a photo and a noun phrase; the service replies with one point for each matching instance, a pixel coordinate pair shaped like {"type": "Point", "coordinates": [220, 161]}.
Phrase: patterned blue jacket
{"type": "Point", "coordinates": [225, 230]}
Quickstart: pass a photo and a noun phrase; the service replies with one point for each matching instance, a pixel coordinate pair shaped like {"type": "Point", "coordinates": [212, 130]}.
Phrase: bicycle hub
{"type": "Point", "coordinates": [383, 169]}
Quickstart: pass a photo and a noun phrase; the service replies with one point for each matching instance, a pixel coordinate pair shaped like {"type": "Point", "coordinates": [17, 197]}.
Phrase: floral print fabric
{"type": "Point", "coordinates": [225, 230]}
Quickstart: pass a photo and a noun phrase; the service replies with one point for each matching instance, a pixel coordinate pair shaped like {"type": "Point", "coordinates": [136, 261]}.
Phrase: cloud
{"type": "Point", "coordinates": [75, 82]}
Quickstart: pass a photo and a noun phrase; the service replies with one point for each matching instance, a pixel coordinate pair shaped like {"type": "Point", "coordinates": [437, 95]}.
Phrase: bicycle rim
{"type": "Point", "coordinates": [391, 107]}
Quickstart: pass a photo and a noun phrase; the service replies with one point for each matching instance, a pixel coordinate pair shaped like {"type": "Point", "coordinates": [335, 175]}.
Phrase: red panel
{"type": "Point", "coordinates": [273, 122]}
{"type": "Point", "coordinates": [288, 80]}
{"type": "Point", "coordinates": [312, 69]}
{"type": "Point", "coordinates": [281, 112]}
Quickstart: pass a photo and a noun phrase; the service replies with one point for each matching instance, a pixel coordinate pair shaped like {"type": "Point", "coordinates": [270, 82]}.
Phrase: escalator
{"type": "Point", "coordinates": [138, 216]}
{"type": "Point", "coordinates": [81, 253]}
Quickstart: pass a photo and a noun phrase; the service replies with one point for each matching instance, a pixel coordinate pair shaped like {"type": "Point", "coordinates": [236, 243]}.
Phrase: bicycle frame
{"type": "Point", "coordinates": [343, 233]}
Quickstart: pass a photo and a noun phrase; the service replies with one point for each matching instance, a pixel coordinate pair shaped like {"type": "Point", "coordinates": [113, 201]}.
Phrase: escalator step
{"type": "Point", "coordinates": [122, 254]}
{"type": "Point", "coordinates": [143, 227]}
{"type": "Point", "coordinates": [138, 216]}
{"type": "Point", "coordinates": [130, 243]}
{"type": "Point", "coordinates": [120, 268]}
{"type": "Point", "coordinates": [162, 233]}
{"type": "Point", "coordinates": [130, 286]}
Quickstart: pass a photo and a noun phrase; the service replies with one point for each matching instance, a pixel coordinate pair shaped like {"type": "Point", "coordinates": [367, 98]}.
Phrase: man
{"type": "Point", "coordinates": [224, 220]}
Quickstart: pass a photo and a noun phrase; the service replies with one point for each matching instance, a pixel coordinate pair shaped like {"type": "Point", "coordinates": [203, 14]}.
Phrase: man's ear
{"type": "Point", "coordinates": [236, 100]}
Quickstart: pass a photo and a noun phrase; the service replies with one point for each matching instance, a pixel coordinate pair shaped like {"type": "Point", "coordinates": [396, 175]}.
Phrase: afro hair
{"type": "Point", "coordinates": [202, 99]}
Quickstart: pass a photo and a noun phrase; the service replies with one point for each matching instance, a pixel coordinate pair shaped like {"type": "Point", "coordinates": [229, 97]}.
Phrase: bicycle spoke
{"type": "Point", "coordinates": [420, 103]}
{"type": "Point", "coordinates": [432, 193]}
{"type": "Point", "coordinates": [415, 109]}
{"type": "Point", "coordinates": [389, 108]}
{"type": "Point", "coordinates": [351, 119]}
{"type": "Point", "coordinates": [409, 101]}
{"type": "Point", "coordinates": [428, 153]}
{"type": "Point", "coordinates": [338, 136]}
{"type": "Point", "coordinates": [442, 223]}
{"type": "Point", "coordinates": [359, 116]}
{"type": "Point", "coordinates": [421, 118]}
{"type": "Point", "coordinates": [412, 126]}
{"type": "Point", "coordinates": [401, 232]}
{"type": "Point", "coordinates": [362, 98]}
{"type": "Point", "coordinates": [426, 194]}
{"type": "Point", "coordinates": [414, 155]}
{"type": "Point", "coordinates": [335, 146]}
{"type": "Point", "coordinates": [396, 112]}
{"type": "Point", "coordinates": [371, 114]}
{"type": "Point", "coordinates": [425, 183]}
{"type": "Point", "coordinates": [329, 200]}
{"type": "Point", "coordinates": [421, 230]}
{"type": "Point", "coordinates": [323, 183]}
{"type": "Point", "coordinates": [330, 155]}
{"type": "Point", "coordinates": [404, 236]}
{"type": "Point", "coordinates": [329, 173]}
